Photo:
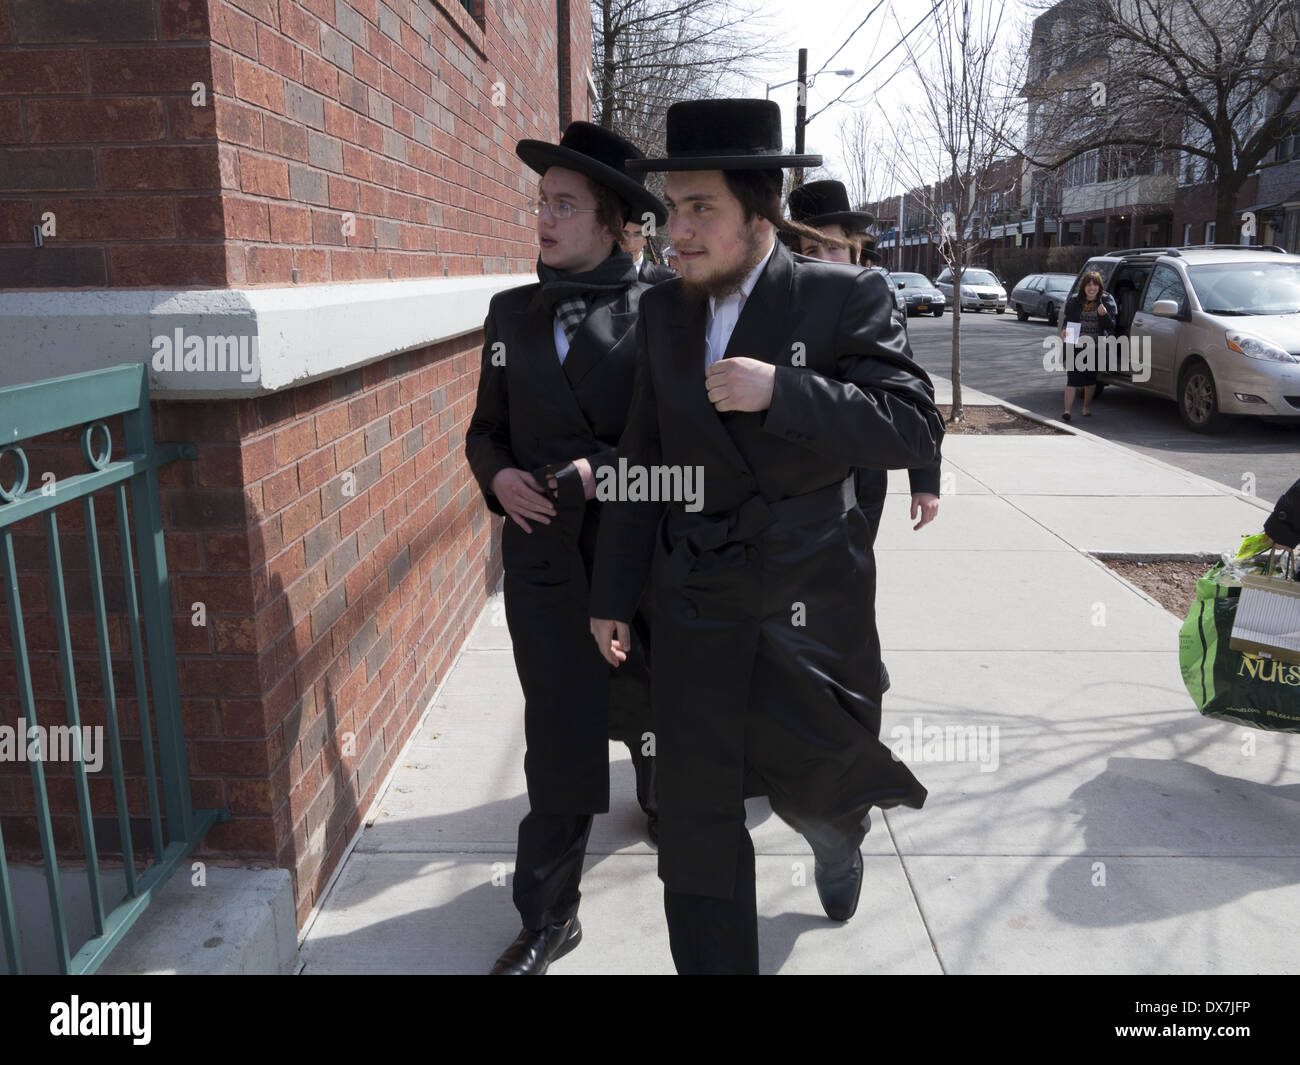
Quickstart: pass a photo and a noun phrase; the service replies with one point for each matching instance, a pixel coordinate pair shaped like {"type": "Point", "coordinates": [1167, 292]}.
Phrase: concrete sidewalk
{"type": "Point", "coordinates": [1102, 826]}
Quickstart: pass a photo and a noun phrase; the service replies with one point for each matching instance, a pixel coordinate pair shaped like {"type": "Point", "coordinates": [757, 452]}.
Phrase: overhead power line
{"type": "Point", "coordinates": [920, 22]}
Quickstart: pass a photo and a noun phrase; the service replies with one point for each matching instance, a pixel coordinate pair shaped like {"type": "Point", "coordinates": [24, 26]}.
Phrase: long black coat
{"type": "Point", "coordinates": [766, 663]}
{"type": "Point", "coordinates": [533, 411]}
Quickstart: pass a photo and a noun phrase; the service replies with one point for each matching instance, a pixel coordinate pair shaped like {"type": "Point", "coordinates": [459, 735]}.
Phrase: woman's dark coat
{"type": "Point", "coordinates": [532, 411]}
{"type": "Point", "coordinates": [767, 668]}
{"type": "Point", "coordinates": [1107, 324]}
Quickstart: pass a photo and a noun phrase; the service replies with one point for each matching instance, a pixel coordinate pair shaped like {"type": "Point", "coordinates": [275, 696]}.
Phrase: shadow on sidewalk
{"type": "Point", "coordinates": [1183, 811]}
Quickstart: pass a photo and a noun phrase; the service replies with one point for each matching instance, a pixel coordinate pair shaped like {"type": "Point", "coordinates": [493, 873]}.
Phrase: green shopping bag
{"type": "Point", "coordinates": [1233, 685]}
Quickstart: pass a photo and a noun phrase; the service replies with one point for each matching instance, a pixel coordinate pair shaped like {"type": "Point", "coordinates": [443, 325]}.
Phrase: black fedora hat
{"type": "Point", "coordinates": [724, 135]}
{"type": "Point", "coordinates": [826, 203]}
{"type": "Point", "coordinates": [602, 156]}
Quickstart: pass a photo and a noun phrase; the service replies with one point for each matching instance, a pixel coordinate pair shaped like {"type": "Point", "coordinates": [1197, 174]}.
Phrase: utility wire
{"type": "Point", "coordinates": [920, 22]}
{"type": "Point", "coordinates": [849, 38]}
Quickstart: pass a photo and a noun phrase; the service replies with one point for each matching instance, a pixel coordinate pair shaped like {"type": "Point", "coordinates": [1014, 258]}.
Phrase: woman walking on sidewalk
{"type": "Point", "coordinates": [1094, 310]}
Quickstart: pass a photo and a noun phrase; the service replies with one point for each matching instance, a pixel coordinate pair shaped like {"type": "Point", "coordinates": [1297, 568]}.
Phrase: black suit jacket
{"type": "Point", "coordinates": [532, 410]}
{"type": "Point", "coordinates": [857, 400]}
{"type": "Point", "coordinates": [653, 273]}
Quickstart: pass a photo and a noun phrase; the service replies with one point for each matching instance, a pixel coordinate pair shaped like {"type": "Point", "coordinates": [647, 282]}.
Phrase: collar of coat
{"type": "Point", "coordinates": [763, 323]}
{"type": "Point", "coordinates": [611, 316]}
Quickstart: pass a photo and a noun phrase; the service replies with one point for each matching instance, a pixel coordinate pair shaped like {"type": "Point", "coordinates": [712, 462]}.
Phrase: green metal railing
{"type": "Point", "coordinates": [29, 411]}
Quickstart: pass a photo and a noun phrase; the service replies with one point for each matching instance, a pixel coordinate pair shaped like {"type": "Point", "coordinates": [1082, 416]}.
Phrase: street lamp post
{"type": "Point", "coordinates": [801, 105]}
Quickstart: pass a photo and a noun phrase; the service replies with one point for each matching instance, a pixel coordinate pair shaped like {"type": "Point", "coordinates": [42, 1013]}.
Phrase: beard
{"type": "Point", "coordinates": [723, 284]}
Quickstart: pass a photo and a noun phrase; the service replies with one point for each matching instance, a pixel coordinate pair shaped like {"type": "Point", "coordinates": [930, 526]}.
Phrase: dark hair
{"type": "Point", "coordinates": [851, 241]}
{"type": "Point", "coordinates": [1090, 276]}
{"type": "Point", "coordinates": [612, 211]}
{"type": "Point", "coordinates": [759, 193]}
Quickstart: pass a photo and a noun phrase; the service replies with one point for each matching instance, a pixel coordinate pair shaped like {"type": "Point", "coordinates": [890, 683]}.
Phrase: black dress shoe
{"type": "Point", "coordinates": [532, 952]}
{"type": "Point", "coordinates": [839, 892]}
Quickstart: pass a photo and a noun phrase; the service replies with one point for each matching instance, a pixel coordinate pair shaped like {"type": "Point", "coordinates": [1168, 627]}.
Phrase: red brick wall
{"type": "Point", "coordinates": [329, 613]}
{"type": "Point", "coordinates": [326, 614]}
{"type": "Point", "coordinates": [574, 18]}
{"type": "Point", "coordinates": [341, 553]}
{"type": "Point", "coordinates": [94, 109]}
{"type": "Point", "coordinates": [402, 115]}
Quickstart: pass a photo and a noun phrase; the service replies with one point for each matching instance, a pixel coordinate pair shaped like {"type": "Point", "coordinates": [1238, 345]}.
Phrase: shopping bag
{"type": "Point", "coordinates": [1231, 685]}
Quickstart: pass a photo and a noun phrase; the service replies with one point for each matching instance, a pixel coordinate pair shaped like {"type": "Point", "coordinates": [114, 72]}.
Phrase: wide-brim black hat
{"type": "Point", "coordinates": [826, 203]}
{"type": "Point", "coordinates": [601, 155]}
{"type": "Point", "coordinates": [724, 135]}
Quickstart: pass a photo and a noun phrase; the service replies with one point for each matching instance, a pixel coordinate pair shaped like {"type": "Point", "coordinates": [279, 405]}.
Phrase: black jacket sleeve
{"type": "Point", "coordinates": [626, 541]}
{"type": "Point", "coordinates": [1283, 525]}
{"type": "Point", "coordinates": [879, 411]}
{"type": "Point", "coordinates": [925, 479]}
{"type": "Point", "coordinates": [487, 440]}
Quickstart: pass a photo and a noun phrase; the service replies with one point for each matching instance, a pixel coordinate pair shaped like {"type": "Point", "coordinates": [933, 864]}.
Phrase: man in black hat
{"type": "Point", "coordinates": [553, 394]}
{"type": "Point", "coordinates": [634, 240]}
{"type": "Point", "coordinates": [778, 376]}
{"type": "Point", "coordinates": [824, 206]}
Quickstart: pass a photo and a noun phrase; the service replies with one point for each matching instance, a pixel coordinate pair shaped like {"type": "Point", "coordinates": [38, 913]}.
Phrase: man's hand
{"type": "Point", "coordinates": [927, 506]}
{"type": "Point", "coordinates": [613, 650]}
{"type": "Point", "coordinates": [583, 466]}
{"type": "Point", "coordinates": [740, 383]}
{"type": "Point", "coordinates": [522, 498]}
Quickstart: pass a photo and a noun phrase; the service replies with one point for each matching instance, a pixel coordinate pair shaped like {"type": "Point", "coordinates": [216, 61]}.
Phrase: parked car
{"type": "Point", "coordinates": [1224, 327]}
{"type": "Point", "coordinates": [900, 307]}
{"type": "Point", "coordinates": [980, 289]}
{"type": "Point", "coordinates": [919, 294]}
{"type": "Point", "coordinates": [1041, 295]}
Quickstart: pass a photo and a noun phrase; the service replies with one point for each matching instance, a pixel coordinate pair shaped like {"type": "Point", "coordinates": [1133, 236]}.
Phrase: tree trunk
{"type": "Point", "coordinates": [1227, 220]}
{"type": "Point", "coordinates": [956, 414]}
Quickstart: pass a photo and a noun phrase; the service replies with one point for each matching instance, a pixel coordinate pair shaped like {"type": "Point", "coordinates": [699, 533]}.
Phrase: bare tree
{"type": "Point", "coordinates": [648, 54]}
{"type": "Point", "coordinates": [944, 151]}
{"type": "Point", "coordinates": [865, 158]}
{"type": "Point", "coordinates": [1208, 87]}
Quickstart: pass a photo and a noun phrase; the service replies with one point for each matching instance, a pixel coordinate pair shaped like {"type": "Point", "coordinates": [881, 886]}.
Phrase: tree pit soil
{"type": "Point", "coordinates": [990, 420]}
{"type": "Point", "coordinates": [1170, 582]}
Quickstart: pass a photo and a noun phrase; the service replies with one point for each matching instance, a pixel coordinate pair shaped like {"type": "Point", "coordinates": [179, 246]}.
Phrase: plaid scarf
{"type": "Point", "coordinates": [570, 296]}
{"type": "Point", "coordinates": [570, 313]}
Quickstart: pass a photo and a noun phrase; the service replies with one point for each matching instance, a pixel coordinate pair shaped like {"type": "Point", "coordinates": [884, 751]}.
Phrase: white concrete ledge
{"type": "Point", "coordinates": [224, 343]}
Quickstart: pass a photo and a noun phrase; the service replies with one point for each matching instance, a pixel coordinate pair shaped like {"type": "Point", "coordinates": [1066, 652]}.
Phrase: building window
{"type": "Point", "coordinates": [1291, 239]}
{"type": "Point", "coordinates": [1187, 235]}
{"type": "Point", "coordinates": [469, 5]}
{"type": "Point", "coordinates": [1286, 148]}
{"type": "Point", "coordinates": [1209, 232]}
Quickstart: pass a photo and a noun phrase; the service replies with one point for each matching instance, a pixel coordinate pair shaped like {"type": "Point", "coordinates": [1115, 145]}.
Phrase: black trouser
{"type": "Point", "coordinates": [548, 866]}
{"type": "Point", "coordinates": [719, 937]}
{"type": "Point", "coordinates": [552, 847]}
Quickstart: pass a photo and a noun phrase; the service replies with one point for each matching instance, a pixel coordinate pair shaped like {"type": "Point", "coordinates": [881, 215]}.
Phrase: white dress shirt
{"type": "Point", "coordinates": [561, 341]}
{"type": "Point", "coordinates": [723, 314]}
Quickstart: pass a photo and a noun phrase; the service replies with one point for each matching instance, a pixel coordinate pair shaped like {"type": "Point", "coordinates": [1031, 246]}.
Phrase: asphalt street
{"type": "Point", "coordinates": [1004, 357]}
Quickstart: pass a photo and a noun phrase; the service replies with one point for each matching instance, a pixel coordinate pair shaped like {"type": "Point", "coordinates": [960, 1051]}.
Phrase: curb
{"type": "Point", "coordinates": [1221, 489]}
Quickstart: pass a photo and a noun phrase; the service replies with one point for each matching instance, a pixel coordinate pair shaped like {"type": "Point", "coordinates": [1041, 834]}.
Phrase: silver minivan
{"type": "Point", "coordinates": [1222, 324]}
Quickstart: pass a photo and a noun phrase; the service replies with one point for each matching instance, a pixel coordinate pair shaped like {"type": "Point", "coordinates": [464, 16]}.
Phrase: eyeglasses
{"type": "Point", "coordinates": [559, 211]}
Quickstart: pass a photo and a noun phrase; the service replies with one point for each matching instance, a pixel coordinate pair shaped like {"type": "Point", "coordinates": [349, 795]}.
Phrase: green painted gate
{"type": "Point", "coordinates": [85, 401]}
